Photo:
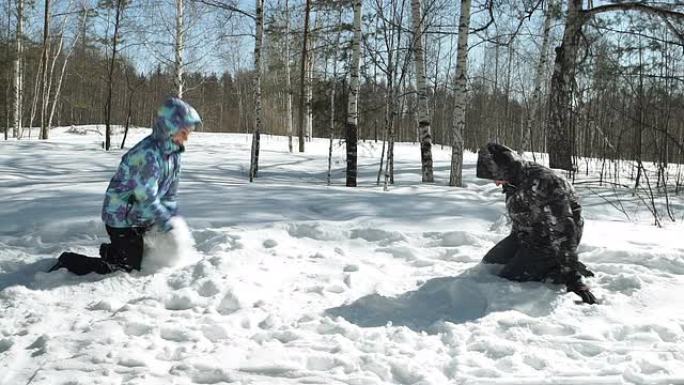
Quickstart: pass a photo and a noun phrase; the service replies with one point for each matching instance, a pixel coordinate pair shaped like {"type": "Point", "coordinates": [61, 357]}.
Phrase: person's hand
{"type": "Point", "coordinates": [583, 292]}
{"type": "Point", "coordinates": [166, 226]}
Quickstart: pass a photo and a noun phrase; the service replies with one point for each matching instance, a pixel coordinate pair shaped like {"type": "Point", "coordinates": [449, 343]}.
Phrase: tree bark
{"type": "Point", "coordinates": [288, 78]}
{"type": "Point", "coordinates": [460, 91]}
{"type": "Point", "coordinates": [302, 73]}
{"type": "Point", "coordinates": [560, 146]}
{"type": "Point", "coordinates": [44, 71]}
{"type": "Point", "coordinates": [535, 103]}
{"type": "Point", "coordinates": [353, 98]}
{"type": "Point", "coordinates": [256, 136]}
{"type": "Point", "coordinates": [179, 49]}
{"type": "Point", "coordinates": [110, 78]}
{"type": "Point", "coordinates": [562, 84]}
{"type": "Point", "coordinates": [422, 88]}
{"type": "Point", "coordinates": [18, 72]}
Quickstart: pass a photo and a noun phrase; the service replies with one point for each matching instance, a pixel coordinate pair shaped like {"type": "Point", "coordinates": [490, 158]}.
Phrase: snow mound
{"type": "Point", "coordinates": [467, 297]}
{"type": "Point", "coordinates": [170, 249]}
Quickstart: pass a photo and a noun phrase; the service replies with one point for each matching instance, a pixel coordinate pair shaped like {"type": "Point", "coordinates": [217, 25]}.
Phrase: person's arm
{"type": "Point", "coordinates": [147, 174]}
{"type": "Point", "coordinates": [169, 199]}
{"type": "Point", "coordinates": [570, 225]}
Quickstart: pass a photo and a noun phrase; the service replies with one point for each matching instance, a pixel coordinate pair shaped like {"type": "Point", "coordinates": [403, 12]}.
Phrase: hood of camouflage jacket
{"type": "Point", "coordinates": [498, 162]}
{"type": "Point", "coordinates": [172, 116]}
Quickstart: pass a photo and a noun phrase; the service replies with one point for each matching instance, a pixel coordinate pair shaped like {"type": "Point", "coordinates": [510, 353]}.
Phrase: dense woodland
{"type": "Point", "coordinates": [573, 78]}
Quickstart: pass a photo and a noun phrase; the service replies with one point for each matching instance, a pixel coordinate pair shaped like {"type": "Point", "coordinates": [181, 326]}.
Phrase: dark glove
{"type": "Point", "coordinates": [584, 293]}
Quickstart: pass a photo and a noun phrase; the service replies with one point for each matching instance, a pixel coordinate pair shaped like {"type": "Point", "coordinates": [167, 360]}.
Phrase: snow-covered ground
{"type": "Point", "coordinates": [295, 282]}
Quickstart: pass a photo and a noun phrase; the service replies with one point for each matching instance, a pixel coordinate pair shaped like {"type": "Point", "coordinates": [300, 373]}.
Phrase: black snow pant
{"type": "Point", "coordinates": [123, 253]}
{"type": "Point", "coordinates": [520, 263]}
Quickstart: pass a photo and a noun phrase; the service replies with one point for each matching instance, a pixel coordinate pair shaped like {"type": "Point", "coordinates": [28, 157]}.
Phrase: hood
{"type": "Point", "coordinates": [498, 162]}
{"type": "Point", "coordinates": [172, 116]}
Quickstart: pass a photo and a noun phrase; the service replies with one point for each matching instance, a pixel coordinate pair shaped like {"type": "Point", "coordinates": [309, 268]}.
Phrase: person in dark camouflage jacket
{"type": "Point", "coordinates": [546, 221]}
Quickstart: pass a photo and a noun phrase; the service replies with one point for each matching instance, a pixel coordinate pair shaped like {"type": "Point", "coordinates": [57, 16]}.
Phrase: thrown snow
{"type": "Point", "coordinates": [168, 249]}
{"type": "Point", "coordinates": [291, 281]}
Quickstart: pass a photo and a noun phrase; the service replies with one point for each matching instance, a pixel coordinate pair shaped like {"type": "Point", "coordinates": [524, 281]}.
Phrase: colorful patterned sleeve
{"type": "Point", "coordinates": [146, 172]}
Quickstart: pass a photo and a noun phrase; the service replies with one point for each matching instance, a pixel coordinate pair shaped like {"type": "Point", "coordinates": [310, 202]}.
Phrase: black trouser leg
{"type": "Point", "coordinates": [529, 265]}
{"type": "Point", "coordinates": [81, 264]}
{"type": "Point", "coordinates": [503, 251]}
{"type": "Point", "coordinates": [126, 248]}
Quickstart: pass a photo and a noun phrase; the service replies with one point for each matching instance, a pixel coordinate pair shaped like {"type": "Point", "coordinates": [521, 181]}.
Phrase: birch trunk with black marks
{"type": "Point", "coordinates": [422, 88]}
{"type": "Point", "coordinates": [560, 145]}
{"type": "Point", "coordinates": [302, 77]}
{"type": "Point", "coordinates": [353, 98]}
{"type": "Point", "coordinates": [179, 48]}
{"type": "Point", "coordinates": [256, 135]}
{"type": "Point", "coordinates": [18, 70]}
{"type": "Point", "coordinates": [458, 124]}
{"type": "Point", "coordinates": [288, 78]}
{"type": "Point", "coordinates": [561, 142]}
{"type": "Point", "coordinates": [44, 73]}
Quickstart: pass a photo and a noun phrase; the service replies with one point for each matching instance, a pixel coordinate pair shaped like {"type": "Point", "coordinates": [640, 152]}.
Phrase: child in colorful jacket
{"type": "Point", "coordinates": [142, 193]}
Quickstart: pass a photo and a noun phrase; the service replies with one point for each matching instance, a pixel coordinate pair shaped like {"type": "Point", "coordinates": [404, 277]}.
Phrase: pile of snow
{"type": "Point", "coordinates": [291, 281]}
{"type": "Point", "coordinates": [173, 248]}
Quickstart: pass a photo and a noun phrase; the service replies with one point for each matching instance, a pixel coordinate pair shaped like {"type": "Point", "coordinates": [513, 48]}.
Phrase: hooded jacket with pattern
{"type": "Point", "coordinates": [545, 214]}
{"type": "Point", "coordinates": [143, 190]}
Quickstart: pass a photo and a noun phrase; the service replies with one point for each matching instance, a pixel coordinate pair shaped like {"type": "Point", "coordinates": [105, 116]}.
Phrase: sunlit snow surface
{"type": "Point", "coordinates": [294, 282]}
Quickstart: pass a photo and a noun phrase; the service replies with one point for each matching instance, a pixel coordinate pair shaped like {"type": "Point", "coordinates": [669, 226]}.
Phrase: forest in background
{"type": "Point", "coordinates": [116, 60]}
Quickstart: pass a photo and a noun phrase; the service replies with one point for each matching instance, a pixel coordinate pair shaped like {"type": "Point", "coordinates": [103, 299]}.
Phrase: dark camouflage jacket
{"type": "Point", "coordinates": [545, 214]}
{"type": "Point", "coordinates": [546, 218]}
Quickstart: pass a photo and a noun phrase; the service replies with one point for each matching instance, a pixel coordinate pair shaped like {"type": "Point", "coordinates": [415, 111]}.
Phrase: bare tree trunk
{"type": "Point", "coordinates": [422, 88]}
{"type": "Point", "coordinates": [562, 84]}
{"type": "Point", "coordinates": [18, 72]}
{"type": "Point", "coordinates": [288, 78]}
{"type": "Point", "coordinates": [458, 126]}
{"type": "Point", "coordinates": [308, 118]}
{"type": "Point", "coordinates": [256, 137]}
{"type": "Point", "coordinates": [129, 109]}
{"type": "Point", "coordinates": [333, 90]}
{"type": "Point", "coordinates": [382, 155]}
{"type": "Point", "coordinates": [120, 4]}
{"type": "Point", "coordinates": [8, 81]}
{"type": "Point", "coordinates": [36, 96]}
{"type": "Point", "coordinates": [179, 48]}
{"type": "Point", "coordinates": [535, 105]}
{"type": "Point", "coordinates": [302, 73]}
{"type": "Point", "coordinates": [353, 98]}
{"type": "Point", "coordinates": [55, 98]}
{"type": "Point", "coordinates": [434, 93]}
{"type": "Point", "coordinates": [44, 72]}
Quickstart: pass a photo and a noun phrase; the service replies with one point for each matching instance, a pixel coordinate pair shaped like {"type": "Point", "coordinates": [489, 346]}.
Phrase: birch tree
{"type": "Point", "coordinates": [288, 78]}
{"type": "Point", "coordinates": [422, 88]}
{"type": "Point", "coordinates": [353, 98]}
{"type": "Point", "coordinates": [458, 124]}
{"type": "Point", "coordinates": [561, 143]}
{"type": "Point", "coordinates": [302, 76]}
{"type": "Point", "coordinates": [18, 70]}
{"type": "Point", "coordinates": [256, 136]}
{"type": "Point", "coordinates": [179, 48]}
{"type": "Point", "coordinates": [44, 72]}
{"type": "Point", "coordinates": [119, 6]}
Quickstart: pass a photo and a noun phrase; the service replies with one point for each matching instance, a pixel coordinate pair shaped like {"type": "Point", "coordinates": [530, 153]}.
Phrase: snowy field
{"type": "Point", "coordinates": [295, 282]}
